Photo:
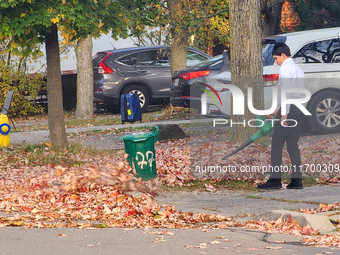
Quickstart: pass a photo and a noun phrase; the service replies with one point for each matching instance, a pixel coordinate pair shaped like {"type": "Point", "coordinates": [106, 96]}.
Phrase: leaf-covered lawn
{"type": "Point", "coordinates": [84, 188]}
{"type": "Point", "coordinates": [86, 194]}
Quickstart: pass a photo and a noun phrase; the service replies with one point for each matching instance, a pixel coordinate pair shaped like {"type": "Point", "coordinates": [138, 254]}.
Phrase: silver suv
{"type": "Point", "coordinates": [317, 53]}
{"type": "Point", "coordinates": [142, 70]}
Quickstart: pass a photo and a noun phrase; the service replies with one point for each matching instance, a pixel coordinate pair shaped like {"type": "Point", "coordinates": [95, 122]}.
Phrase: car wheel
{"type": "Point", "coordinates": [142, 94]}
{"type": "Point", "coordinates": [325, 110]}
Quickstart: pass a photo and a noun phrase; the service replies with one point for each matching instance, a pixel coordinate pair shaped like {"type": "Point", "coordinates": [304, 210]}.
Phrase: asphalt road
{"type": "Point", "coordinates": [15, 241]}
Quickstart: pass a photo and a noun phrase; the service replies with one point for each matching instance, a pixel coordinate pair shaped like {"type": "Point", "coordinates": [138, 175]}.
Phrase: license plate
{"type": "Point", "coordinates": [176, 81]}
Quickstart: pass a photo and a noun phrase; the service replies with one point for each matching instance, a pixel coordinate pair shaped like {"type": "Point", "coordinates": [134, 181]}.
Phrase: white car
{"type": "Point", "coordinates": [317, 53]}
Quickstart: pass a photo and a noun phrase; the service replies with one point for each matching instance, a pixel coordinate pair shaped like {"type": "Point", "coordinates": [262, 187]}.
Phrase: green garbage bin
{"type": "Point", "coordinates": [141, 150]}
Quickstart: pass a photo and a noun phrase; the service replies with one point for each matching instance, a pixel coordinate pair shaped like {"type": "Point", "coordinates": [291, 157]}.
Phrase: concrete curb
{"type": "Point", "coordinates": [316, 221]}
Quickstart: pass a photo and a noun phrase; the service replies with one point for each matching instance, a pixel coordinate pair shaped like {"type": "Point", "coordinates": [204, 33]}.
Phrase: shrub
{"type": "Point", "coordinates": [25, 87]}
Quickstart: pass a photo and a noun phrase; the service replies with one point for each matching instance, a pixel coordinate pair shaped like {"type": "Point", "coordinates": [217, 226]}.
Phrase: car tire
{"type": "Point", "coordinates": [142, 93]}
{"type": "Point", "coordinates": [325, 110]}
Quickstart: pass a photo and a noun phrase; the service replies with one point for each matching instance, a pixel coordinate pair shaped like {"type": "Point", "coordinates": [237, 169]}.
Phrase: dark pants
{"type": "Point", "coordinates": [291, 136]}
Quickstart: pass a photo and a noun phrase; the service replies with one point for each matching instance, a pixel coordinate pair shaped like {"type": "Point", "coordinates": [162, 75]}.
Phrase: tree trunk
{"type": "Point", "coordinates": [84, 109]}
{"type": "Point", "coordinates": [246, 62]}
{"type": "Point", "coordinates": [54, 90]}
{"type": "Point", "coordinates": [179, 46]}
{"type": "Point", "coordinates": [271, 17]}
{"type": "Point", "coordinates": [179, 50]}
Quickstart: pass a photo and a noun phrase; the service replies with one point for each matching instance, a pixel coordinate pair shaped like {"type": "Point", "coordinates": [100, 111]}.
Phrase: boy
{"type": "Point", "coordinates": [290, 76]}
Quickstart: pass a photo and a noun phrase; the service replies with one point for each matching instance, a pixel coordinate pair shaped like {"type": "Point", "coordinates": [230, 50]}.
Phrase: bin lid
{"type": "Point", "coordinates": [140, 136]}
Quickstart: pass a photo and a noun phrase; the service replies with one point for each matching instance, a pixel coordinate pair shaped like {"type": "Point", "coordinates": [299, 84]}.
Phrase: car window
{"type": "Point", "coordinates": [194, 58]}
{"type": "Point", "coordinates": [267, 50]}
{"type": "Point", "coordinates": [97, 58]}
{"type": "Point", "coordinates": [155, 57]}
{"type": "Point", "coordinates": [129, 60]}
{"type": "Point", "coordinates": [209, 62]}
{"type": "Point", "coordinates": [326, 51]}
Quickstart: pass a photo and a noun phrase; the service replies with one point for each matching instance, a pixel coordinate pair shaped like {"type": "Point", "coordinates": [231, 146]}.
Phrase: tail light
{"type": "Point", "coordinates": [195, 74]}
{"type": "Point", "coordinates": [104, 68]}
{"type": "Point", "coordinates": [271, 77]}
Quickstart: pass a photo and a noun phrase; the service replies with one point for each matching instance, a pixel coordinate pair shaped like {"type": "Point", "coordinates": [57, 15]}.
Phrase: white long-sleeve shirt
{"type": "Point", "coordinates": [291, 76]}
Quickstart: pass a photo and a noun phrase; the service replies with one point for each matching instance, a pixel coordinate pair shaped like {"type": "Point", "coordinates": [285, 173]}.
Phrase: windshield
{"type": "Point", "coordinates": [267, 50]}
{"type": "Point", "coordinates": [209, 62]}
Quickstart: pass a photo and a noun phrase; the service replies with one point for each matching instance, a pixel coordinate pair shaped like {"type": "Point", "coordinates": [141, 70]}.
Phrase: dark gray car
{"type": "Point", "coordinates": [142, 70]}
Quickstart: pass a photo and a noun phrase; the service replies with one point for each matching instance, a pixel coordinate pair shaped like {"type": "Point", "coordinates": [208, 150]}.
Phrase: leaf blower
{"type": "Point", "coordinates": [265, 127]}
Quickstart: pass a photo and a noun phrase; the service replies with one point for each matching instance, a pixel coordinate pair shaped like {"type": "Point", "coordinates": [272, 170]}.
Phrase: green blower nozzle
{"type": "Point", "coordinates": [265, 127]}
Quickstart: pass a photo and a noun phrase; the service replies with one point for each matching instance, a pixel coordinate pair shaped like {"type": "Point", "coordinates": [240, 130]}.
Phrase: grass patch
{"type": "Point", "coordinates": [283, 200]}
{"type": "Point", "coordinates": [42, 154]}
{"type": "Point", "coordinates": [195, 124]}
{"type": "Point", "coordinates": [320, 152]}
{"type": "Point", "coordinates": [219, 185]}
{"type": "Point", "coordinates": [210, 133]}
{"type": "Point", "coordinates": [240, 185]}
{"type": "Point", "coordinates": [161, 113]}
{"type": "Point", "coordinates": [309, 182]}
{"type": "Point", "coordinates": [111, 120]}
{"type": "Point", "coordinates": [110, 131]}
{"type": "Point", "coordinates": [306, 182]}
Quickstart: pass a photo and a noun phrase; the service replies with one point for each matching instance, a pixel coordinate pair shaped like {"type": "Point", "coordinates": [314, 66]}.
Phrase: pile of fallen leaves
{"type": "Point", "coordinates": [85, 196]}
{"type": "Point", "coordinates": [289, 226]}
{"type": "Point", "coordinates": [321, 208]}
{"type": "Point", "coordinates": [173, 162]}
{"type": "Point", "coordinates": [323, 241]}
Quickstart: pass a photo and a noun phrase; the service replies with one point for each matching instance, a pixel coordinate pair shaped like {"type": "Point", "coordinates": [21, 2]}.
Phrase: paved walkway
{"type": "Point", "coordinates": [43, 135]}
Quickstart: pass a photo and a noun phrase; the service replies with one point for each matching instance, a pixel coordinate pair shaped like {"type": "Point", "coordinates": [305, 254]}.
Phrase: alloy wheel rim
{"type": "Point", "coordinates": [328, 112]}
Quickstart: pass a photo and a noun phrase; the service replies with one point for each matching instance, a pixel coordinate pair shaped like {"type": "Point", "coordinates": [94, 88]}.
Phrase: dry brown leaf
{"type": "Point", "coordinates": [273, 248]}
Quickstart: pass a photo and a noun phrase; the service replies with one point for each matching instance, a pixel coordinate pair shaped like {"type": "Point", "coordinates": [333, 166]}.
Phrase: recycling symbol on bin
{"type": "Point", "coordinates": [149, 159]}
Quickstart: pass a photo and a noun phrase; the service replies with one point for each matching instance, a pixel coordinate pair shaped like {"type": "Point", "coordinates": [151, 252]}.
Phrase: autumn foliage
{"type": "Point", "coordinates": [25, 89]}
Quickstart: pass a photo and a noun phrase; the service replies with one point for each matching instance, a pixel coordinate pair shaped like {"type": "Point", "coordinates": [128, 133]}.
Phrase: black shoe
{"type": "Point", "coordinates": [271, 184]}
{"type": "Point", "coordinates": [295, 184]}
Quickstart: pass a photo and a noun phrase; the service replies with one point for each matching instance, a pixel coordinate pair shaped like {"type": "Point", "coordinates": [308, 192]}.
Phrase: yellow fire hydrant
{"type": "Point", "coordinates": [5, 128]}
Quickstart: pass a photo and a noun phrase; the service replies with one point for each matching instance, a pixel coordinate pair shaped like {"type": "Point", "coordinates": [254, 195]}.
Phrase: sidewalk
{"type": "Point", "coordinates": [245, 206]}
{"type": "Point", "coordinates": [43, 135]}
